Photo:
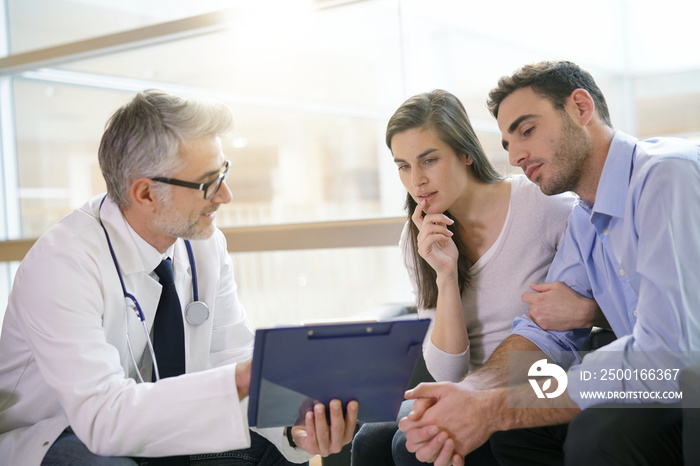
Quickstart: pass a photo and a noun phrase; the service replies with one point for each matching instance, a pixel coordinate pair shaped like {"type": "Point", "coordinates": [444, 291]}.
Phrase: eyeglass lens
{"type": "Point", "coordinates": [214, 187]}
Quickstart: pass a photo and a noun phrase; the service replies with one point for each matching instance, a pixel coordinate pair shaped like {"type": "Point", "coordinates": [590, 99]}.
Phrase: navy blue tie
{"type": "Point", "coordinates": [168, 341]}
{"type": "Point", "coordinates": [168, 329]}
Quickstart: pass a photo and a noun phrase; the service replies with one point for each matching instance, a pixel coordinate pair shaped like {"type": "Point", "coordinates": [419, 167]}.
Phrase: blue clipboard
{"type": "Point", "coordinates": [294, 367]}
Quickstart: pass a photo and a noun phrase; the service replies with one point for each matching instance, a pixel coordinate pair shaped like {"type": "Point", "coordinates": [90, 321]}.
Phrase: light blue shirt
{"type": "Point", "coordinates": [637, 252]}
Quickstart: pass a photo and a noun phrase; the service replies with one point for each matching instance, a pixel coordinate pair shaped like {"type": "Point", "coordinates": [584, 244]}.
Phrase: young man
{"type": "Point", "coordinates": [94, 291]}
{"type": "Point", "coordinates": [631, 244]}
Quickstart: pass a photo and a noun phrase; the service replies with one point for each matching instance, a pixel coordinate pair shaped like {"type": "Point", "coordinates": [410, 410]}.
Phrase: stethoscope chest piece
{"type": "Point", "coordinates": [196, 313]}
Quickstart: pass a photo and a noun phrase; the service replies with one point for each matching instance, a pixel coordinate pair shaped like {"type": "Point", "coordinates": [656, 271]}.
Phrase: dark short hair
{"type": "Point", "coordinates": [555, 81]}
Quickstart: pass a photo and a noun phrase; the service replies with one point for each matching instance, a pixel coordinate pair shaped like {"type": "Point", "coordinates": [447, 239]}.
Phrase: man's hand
{"type": "Point", "coordinates": [555, 306]}
{"type": "Point", "coordinates": [317, 438]}
{"type": "Point", "coordinates": [449, 421]}
{"type": "Point", "coordinates": [429, 443]}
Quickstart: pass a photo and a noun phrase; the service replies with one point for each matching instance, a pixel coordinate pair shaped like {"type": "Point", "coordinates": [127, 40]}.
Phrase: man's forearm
{"type": "Point", "coordinates": [494, 373]}
{"type": "Point", "coordinates": [525, 410]}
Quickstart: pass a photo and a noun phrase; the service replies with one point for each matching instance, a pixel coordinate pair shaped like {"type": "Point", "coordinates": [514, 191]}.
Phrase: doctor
{"type": "Point", "coordinates": [73, 350]}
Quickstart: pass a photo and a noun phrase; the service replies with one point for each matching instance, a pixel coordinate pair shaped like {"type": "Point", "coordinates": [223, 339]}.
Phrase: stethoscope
{"type": "Point", "coordinates": [196, 313]}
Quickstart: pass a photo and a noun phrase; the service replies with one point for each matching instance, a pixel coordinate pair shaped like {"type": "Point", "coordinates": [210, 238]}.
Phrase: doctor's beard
{"type": "Point", "coordinates": [171, 221]}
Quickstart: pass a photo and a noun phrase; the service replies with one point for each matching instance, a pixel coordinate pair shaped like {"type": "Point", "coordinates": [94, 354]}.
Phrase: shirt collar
{"type": "Point", "coordinates": [150, 255]}
{"type": "Point", "coordinates": [613, 185]}
{"type": "Point", "coordinates": [133, 252]}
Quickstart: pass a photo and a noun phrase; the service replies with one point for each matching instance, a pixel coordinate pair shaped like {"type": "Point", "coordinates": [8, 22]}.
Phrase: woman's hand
{"type": "Point", "coordinates": [435, 243]}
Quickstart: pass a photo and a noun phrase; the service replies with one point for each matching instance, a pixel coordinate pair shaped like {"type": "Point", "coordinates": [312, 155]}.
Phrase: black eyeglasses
{"type": "Point", "coordinates": [210, 188]}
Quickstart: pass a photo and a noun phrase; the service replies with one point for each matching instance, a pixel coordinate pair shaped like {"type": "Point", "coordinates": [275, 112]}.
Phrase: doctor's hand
{"type": "Point", "coordinates": [243, 378]}
{"type": "Point", "coordinates": [317, 437]}
{"type": "Point", "coordinates": [555, 306]}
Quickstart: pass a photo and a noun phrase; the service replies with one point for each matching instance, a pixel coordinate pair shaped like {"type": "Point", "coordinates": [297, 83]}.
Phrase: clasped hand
{"type": "Point", "coordinates": [447, 421]}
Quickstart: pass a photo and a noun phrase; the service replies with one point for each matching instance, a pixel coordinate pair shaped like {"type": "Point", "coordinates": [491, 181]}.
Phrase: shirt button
{"type": "Point", "coordinates": [622, 272]}
{"type": "Point", "coordinates": [635, 313]}
{"type": "Point", "coordinates": [606, 231]}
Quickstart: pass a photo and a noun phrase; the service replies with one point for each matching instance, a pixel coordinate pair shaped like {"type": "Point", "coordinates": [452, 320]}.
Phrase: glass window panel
{"type": "Point", "coordinates": [58, 134]}
{"type": "Point", "coordinates": [662, 36]}
{"type": "Point", "coordinates": [668, 104]}
{"type": "Point", "coordinates": [309, 117]}
{"type": "Point", "coordinates": [36, 24]}
{"type": "Point", "coordinates": [288, 287]}
{"type": "Point", "coordinates": [451, 42]}
{"type": "Point", "coordinates": [288, 166]}
{"type": "Point", "coordinates": [292, 166]}
{"type": "Point", "coordinates": [340, 60]}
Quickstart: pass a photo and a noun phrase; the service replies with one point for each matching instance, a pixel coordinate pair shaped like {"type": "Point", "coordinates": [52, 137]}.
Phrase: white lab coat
{"type": "Point", "coordinates": [64, 358]}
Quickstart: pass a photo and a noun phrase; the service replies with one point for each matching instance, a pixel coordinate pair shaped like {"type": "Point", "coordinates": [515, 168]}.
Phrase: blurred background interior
{"type": "Point", "coordinates": [317, 205]}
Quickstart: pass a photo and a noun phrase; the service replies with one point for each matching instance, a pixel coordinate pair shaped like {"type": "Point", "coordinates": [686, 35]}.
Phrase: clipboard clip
{"type": "Point", "coordinates": [369, 329]}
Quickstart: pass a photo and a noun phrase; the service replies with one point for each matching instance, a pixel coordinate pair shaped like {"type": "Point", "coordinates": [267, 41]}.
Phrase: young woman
{"type": "Point", "coordinates": [474, 242]}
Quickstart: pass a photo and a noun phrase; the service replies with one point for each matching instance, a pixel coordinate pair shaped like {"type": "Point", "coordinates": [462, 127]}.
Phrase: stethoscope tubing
{"type": "Point", "coordinates": [132, 303]}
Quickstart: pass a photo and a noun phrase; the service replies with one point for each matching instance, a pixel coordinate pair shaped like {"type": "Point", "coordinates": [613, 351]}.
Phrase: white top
{"type": "Point", "coordinates": [522, 254]}
{"type": "Point", "coordinates": [64, 358]}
